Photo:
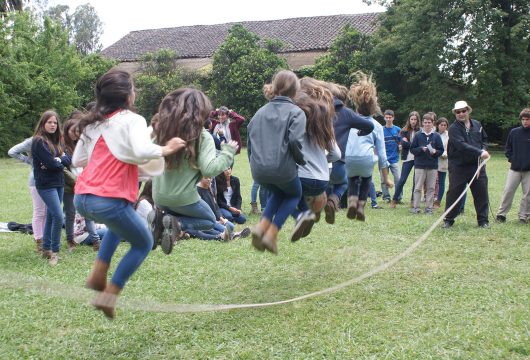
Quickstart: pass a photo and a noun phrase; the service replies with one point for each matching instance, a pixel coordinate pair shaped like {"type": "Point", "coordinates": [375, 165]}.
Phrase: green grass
{"type": "Point", "coordinates": [463, 294]}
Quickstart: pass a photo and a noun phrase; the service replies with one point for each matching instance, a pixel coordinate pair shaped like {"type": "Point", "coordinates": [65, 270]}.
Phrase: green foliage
{"type": "Point", "coordinates": [159, 75]}
{"type": "Point", "coordinates": [39, 70]}
{"type": "Point", "coordinates": [240, 69]}
{"type": "Point", "coordinates": [429, 54]}
{"type": "Point", "coordinates": [347, 54]}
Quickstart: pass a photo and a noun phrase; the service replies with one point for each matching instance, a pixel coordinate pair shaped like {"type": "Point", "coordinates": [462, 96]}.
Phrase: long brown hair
{"type": "Point", "coordinates": [55, 140]}
{"type": "Point", "coordinates": [113, 92]}
{"type": "Point", "coordinates": [320, 111]}
{"type": "Point", "coordinates": [363, 93]}
{"type": "Point", "coordinates": [408, 126]}
{"type": "Point", "coordinates": [72, 122]}
{"type": "Point", "coordinates": [183, 113]}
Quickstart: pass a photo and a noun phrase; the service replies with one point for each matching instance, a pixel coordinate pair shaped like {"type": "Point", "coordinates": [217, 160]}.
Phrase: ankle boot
{"type": "Point", "coordinates": [360, 210]}
{"type": "Point", "coordinates": [255, 210]}
{"type": "Point", "coordinates": [97, 280]}
{"type": "Point", "coordinates": [54, 259]}
{"type": "Point", "coordinates": [71, 245]}
{"type": "Point", "coordinates": [257, 233]}
{"type": "Point", "coordinates": [393, 204]}
{"type": "Point", "coordinates": [332, 206]}
{"type": "Point", "coordinates": [352, 206]}
{"type": "Point", "coordinates": [270, 239]}
{"type": "Point", "coordinates": [38, 244]}
{"type": "Point", "coordinates": [106, 300]}
{"type": "Point", "coordinates": [436, 204]}
{"type": "Point", "coordinates": [47, 254]}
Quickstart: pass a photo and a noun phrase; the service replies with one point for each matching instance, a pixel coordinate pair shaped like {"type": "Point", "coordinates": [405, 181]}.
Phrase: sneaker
{"type": "Point", "coordinates": [154, 221]}
{"type": "Point", "coordinates": [378, 193]}
{"type": "Point", "coordinates": [399, 202]}
{"type": "Point", "coordinates": [523, 221]}
{"type": "Point", "coordinates": [170, 234]}
{"type": "Point", "coordinates": [484, 225]}
{"type": "Point", "coordinates": [447, 224]}
{"type": "Point", "coordinates": [304, 223]}
{"type": "Point", "coordinates": [242, 234]}
{"type": "Point", "coordinates": [501, 218]}
{"type": "Point", "coordinates": [415, 211]}
{"type": "Point", "coordinates": [377, 207]}
{"type": "Point", "coordinates": [428, 211]}
{"type": "Point", "coordinates": [54, 259]}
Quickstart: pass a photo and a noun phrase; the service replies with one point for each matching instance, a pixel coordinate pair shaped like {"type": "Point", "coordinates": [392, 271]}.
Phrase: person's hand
{"type": "Point", "coordinates": [222, 220]}
{"type": "Point", "coordinates": [233, 144]}
{"type": "Point", "coordinates": [172, 146]}
{"type": "Point", "coordinates": [389, 183]}
{"type": "Point", "coordinates": [484, 155]}
{"type": "Point", "coordinates": [424, 148]}
{"type": "Point", "coordinates": [433, 151]}
{"type": "Point", "coordinates": [405, 139]}
{"type": "Point", "coordinates": [220, 132]}
{"type": "Point", "coordinates": [58, 159]}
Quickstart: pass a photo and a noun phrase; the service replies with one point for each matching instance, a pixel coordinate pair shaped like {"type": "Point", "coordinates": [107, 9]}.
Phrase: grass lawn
{"type": "Point", "coordinates": [463, 294]}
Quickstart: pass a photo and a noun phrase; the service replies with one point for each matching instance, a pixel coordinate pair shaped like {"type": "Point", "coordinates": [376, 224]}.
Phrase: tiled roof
{"type": "Point", "coordinates": [199, 41]}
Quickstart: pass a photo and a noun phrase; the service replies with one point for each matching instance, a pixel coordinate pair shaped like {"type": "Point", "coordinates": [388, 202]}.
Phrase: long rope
{"type": "Point", "coordinates": [15, 280]}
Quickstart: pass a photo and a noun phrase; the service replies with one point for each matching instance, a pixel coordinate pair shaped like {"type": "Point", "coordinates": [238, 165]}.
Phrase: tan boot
{"type": "Point", "coordinates": [352, 206]}
{"type": "Point", "coordinates": [319, 202]}
{"type": "Point", "coordinates": [47, 254]}
{"type": "Point", "coordinates": [360, 210]}
{"type": "Point", "coordinates": [255, 209]}
{"type": "Point", "coordinates": [393, 204]}
{"type": "Point", "coordinates": [332, 206]}
{"type": "Point", "coordinates": [106, 300]}
{"type": "Point", "coordinates": [71, 245]}
{"type": "Point", "coordinates": [97, 280]}
{"type": "Point", "coordinates": [257, 233]}
{"type": "Point", "coordinates": [436, 204]}
{"type": "Point", "coordinates": [270, 239]}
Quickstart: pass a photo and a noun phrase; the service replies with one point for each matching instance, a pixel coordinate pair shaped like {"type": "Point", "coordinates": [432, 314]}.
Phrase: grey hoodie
{"type": "Point", "coordinates": [270, 131]}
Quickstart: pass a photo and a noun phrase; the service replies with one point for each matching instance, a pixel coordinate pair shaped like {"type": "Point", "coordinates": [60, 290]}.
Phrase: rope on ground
{"type": "Point", "coordinates": [15, 280]}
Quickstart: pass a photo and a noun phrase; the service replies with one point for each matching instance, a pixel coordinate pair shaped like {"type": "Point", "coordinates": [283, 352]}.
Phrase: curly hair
{"type": "Point", "coordinates": [363, 93]}
{"type": "Point", "coordinates": [183, 113]}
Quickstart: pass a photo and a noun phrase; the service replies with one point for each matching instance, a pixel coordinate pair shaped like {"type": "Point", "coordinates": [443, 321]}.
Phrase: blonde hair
{"type": "Point", "coordinates": [363, 93]}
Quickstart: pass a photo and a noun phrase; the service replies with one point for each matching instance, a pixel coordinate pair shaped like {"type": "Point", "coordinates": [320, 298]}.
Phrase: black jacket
{"type": "Point", "coordinates": [517, 149]}
{"type": "Point", "coordinates": [405, 145]}
{"type": "Point", "coordinates": [47, 171]}
{"type": "Point", "coordinates": [464, 147]}
{"type": "Point", "coordinates": [207, 196]}
{"type": "Point", "coordinates": [236, 199]}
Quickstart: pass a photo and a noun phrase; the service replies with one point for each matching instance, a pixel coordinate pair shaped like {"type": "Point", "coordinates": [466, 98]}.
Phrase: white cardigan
{"type": "Point", "coordinates": [127, 138]}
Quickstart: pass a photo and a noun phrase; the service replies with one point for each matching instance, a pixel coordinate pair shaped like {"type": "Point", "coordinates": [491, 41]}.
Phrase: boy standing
{"type": "Point", "coordinates": [392, 141]}
{"type": "Point", "coordinates": [427, 147]}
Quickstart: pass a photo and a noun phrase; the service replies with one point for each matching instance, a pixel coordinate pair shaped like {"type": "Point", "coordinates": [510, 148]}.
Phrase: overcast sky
{"type": "Point", "coordinates": [120, 17]}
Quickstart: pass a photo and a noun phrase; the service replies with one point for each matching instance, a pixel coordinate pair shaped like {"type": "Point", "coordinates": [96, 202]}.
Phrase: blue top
{"type": "Point", "coordinates": [369, 145]}
{"type": "Point", "coordinates": [392, 140]}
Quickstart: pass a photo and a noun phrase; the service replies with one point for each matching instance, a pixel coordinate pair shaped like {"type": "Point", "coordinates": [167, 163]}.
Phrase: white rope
{"type": "Point", "coordinates": [15, 280]}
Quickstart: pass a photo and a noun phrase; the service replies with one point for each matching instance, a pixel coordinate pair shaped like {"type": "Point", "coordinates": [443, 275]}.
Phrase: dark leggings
{"type": "Point", "coordinates": [359, 186]}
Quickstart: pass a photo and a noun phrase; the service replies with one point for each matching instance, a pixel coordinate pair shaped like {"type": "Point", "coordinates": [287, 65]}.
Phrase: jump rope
{"type": "Point", "coordinates": [42, 286]}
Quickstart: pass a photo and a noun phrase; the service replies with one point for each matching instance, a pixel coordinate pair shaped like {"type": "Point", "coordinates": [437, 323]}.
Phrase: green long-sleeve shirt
{"type": "Point", "coordinates": [178, 186]}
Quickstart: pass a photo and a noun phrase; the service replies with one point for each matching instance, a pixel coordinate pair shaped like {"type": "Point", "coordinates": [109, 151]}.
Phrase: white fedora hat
{"type": "Point", "coordinates": [461, 105]}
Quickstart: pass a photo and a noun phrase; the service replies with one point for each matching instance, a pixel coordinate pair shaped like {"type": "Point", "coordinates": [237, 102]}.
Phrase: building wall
{"type": "Point", "coordinates": [295, 61]}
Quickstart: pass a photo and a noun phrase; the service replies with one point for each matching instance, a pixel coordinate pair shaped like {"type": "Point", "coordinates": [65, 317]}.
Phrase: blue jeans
{"type": "Point", "coordinates": [338, 182]}
{"type": "Point", "coordinates": [213, 234]}
{"type": "Point", "coordinates": [263, 194]}
{"type": "Point", "coordinates": [441, 185]}
{"type": "Point", "coordinates": [123, 222]}
{"type": "Point", "coordinates": [52, 197]}
{"type": "Point", "coordinates": [396, 174]}
{"type": "Point", "coordinates": [91, 238]}
{"type": "Point", "coordinates": [372, 194]}
{"type": "Point", "coordinates": [406, 168]}
{"type": "Point", "coordinates": [238, 219]}
{"type": "Point", "coordinates": [69, 215]}
{"type": "Point", "coordinates": [282, 201]}
{"type": "Point", "coordinates": [196, 216]}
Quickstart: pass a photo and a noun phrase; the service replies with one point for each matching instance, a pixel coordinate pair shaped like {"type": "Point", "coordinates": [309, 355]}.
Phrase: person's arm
{"type": "Point", "coordinates": [380, 147]}
{"type": "Point", "coordinates": [295, 134]}
{"type": "Point", "coordinates": [238, 119]}
{"type": "Point", "coordinates": [334, 154]}
{"type": "Point", "coordinates": [386, 179]}
{"type": "Point", "coordinates": [365, 127]}
{"type": "Point", "coordinates": [405, 140]}
{"type": "Point", "coordinates": [458, 141]}
{"type": "Point", "coordinates": [45, 157]}
{"type": "Point", "coordinates": [209, 164]}
{"type": "Point", "coordinates": [22, 151]}
{"type": "Point", "coordinates": [415, 147]}
{"type": "Point", "coordinates": [438, 146]}
{"type": "Point", "coordinates": [508, 149]}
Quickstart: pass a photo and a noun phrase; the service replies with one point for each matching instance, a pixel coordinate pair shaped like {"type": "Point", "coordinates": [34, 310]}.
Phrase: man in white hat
{"type": "Point", "coordinates": [467, 144]}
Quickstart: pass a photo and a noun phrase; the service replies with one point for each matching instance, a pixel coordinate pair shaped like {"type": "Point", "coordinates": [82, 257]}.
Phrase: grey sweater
{"type": "Point", "coordinates": [270, 131]}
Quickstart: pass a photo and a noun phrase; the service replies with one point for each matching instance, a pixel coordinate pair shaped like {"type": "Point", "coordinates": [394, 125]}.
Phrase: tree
{"type": "Point", "coordinates": [86, 29]}
{"type": "Point", "coordinates": [240, 68]}
{"type": "Point", "coordinates": [429, 54]}
{"type": "Point", "coordinates": [11, 5]}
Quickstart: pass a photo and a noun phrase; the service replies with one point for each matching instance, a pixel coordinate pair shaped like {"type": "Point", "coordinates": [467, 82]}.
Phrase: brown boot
{"type": "Point", "coordinates": [71, 245]}
{"type": "Point", "coordinates": [360, 210]}
{"type": "Point", "coordinates": [393, 204]}
{"type": "Point", "coordinates": [96, 244]}
{"type": "Point", "coordinates": [54, 259]}
{"type": "Point", "coordinates": [319, 202]}
{"type": "Point", "coordinates": [47, 254]}
{"type": "Point", "coordinates": [257, 233]}
{"type": "Point", "coordinates": [97, 280]}
{"type": "Point", "coordinates": [270, 239]}
{"type": "Point", "coordinates": [352, 206]}
{"type": "Point", "coordinates": [332, 206]}
{"type": "Point", "coordinates": [436, 204]}
{"type": "Point", "coordinates": [106, 300]}
{"type": "Point", "coordinates": [38, 244]}
{"type": "Point", "coordinates": [254, 209]}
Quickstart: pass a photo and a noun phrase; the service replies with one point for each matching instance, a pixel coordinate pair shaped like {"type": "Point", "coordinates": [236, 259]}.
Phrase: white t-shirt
{"type": "Point", "coordinates": [228, 194]}
{"type": "Point", "coordinates": [144, 208]}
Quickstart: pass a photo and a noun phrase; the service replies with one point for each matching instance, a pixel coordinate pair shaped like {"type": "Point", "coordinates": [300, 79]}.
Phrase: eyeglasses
{"type": "Point", "coordinates": [463, 111]}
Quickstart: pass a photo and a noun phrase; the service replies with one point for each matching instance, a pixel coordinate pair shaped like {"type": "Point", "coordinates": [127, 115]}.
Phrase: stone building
{"type": "Point", "coordinates": [304, 38]}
